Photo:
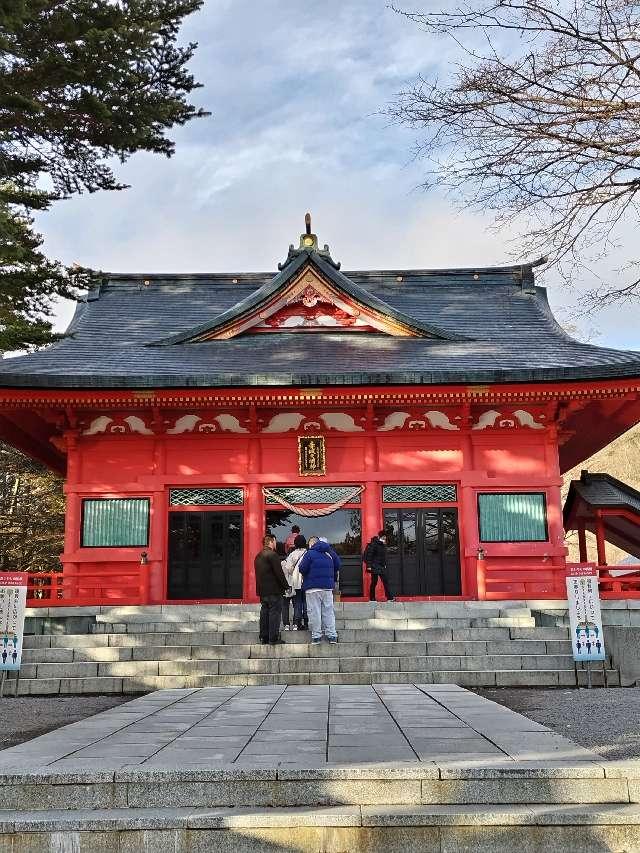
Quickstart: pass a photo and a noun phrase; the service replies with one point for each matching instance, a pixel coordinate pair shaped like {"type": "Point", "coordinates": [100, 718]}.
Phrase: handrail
{"type": "Point", "coordinates": [618, 580]}
{"type": "Point", "coordinates": [94, 586]}
{"type": "Point", "coordinates": [505, 580]}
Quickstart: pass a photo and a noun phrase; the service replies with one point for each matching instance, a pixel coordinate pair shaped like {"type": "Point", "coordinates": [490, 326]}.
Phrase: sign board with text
{"type": "Point", "coordinates": [585, 618]}
{"type": "Point", "coordinates": [13, 601]}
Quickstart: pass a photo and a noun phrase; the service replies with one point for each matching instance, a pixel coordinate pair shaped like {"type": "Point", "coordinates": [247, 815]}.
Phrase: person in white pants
{"type": "Point", "coordinates": [320, 573]}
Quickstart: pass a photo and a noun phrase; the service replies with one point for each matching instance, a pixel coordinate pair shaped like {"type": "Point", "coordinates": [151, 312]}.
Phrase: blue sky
{"type": "Point", "coordinates": [295, 90]}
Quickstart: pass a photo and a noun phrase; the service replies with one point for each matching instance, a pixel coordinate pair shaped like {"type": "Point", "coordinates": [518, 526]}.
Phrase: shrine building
{"type": "Point", "coordinates": [191, 413]}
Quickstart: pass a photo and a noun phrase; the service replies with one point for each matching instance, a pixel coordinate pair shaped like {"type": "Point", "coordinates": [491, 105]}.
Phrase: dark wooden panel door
{"type": "Point", "coordinates": [205, 555]}
{"type": "Point", "coordinates": [423, 551]}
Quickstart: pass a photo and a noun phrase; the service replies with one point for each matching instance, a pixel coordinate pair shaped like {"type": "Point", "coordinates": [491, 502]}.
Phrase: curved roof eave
{"type": "Point", "coordinates": [280, 379]}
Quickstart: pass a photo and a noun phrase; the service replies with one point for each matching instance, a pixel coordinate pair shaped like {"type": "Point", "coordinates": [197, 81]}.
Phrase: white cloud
{"type": "Point", "coordinates": [295, 90]}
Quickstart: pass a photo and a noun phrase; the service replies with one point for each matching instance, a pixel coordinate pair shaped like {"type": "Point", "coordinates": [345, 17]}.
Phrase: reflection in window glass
{"type": "Point", "coordinates": [392, 529]}
{"type": "Point", "coordinates": [341, 528]}
{"type": "Point", "coordinates": [409, 531]}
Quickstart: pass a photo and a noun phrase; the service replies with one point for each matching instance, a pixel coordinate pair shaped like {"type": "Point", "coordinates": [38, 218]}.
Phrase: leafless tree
{"type": "Point", "coordinates": [31, 514]}
{"type": "Point", "coordinates": [540, 122]}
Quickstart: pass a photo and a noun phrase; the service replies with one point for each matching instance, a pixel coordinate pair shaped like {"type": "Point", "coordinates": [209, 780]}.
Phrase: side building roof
{"type": "Point", "coordinates": [602, 492]}
{"type": "Point", "coordinates": [485, 325]}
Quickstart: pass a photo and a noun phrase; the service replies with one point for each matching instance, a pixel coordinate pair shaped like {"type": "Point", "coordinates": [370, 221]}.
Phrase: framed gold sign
{"type": "Point", "coordinates": [312, 459]}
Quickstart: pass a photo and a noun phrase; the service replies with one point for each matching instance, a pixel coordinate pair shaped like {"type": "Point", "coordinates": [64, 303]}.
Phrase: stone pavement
{"type": "Point", "coordinates": [279, 726]}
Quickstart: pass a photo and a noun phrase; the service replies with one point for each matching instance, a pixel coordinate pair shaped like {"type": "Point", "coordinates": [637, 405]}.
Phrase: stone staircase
{"type": "Point", "coordinates": [140, 649]}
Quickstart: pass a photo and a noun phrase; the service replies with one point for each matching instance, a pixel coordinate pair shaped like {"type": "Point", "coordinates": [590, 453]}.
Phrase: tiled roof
{"type": "Point", "coordinates": [602, 491]}
{"type": "Point", "coordinates": [500, 326]}
{"type": "Point", "coordinates": [593, 492]}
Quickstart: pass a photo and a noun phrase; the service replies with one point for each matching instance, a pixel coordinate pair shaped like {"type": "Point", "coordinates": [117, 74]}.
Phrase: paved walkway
{"type": "Point", "coordinates": [298, 726]}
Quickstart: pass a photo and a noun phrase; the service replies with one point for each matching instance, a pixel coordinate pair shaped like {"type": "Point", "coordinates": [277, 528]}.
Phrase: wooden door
{"type": "Point", "coordinates": [205, 555]}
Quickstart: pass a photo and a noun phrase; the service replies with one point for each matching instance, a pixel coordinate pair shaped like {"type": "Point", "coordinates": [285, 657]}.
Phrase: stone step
{"type": "Point", "coordinates": [253, 650]}
{"type": "Point", "coordinates": [131, 684]}
{"type": "Point", "coordinates": [138, 656]}
{"type": "Point", "coordinates": [411, 828]}
{"type": "Point", "coordinates": [185, 636]}
{"type": "Point", "coordinates": [406, 784]}
{"type": "Point", "coordinates": [412, 623]}
{"type": "Point", "coordinates": [299, 663]}
{"type": "Point", "coordinates": [346, 609]}
{"type": "Point", "coordinates": [506, 621]}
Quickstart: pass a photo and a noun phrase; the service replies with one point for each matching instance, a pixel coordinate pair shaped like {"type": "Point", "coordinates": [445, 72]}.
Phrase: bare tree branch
{"type": "Point", "coordinates": [544, 132]}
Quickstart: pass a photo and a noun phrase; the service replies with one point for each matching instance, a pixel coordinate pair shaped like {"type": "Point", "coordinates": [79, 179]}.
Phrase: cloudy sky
{"type": "Point", "coordinates": [295, 90]}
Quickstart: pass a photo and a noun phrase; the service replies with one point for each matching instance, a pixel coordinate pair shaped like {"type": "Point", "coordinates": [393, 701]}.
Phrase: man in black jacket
{"type": "Point", "coordinates": [271, 584]}
{"type": "Point", "coordinates": [375, 559]}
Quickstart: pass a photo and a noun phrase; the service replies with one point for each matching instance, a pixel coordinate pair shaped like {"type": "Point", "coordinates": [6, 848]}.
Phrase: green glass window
{"type": "Point", "coordinates": [203, 497]}
{"type": "Point", "coordinates": [512, 517]}
{"type": "Point", "coordinates": [313, 494]}
{"type": "Point", "coordinates": [427, 493]}
{"type": "Point", "coordinates": [115, 522]}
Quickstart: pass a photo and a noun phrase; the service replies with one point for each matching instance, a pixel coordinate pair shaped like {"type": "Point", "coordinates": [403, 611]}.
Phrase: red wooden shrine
{"type": "Point", "coordinates": [465, 475]}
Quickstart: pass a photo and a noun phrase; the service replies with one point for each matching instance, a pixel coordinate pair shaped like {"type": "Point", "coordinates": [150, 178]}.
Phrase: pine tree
{"type": "Point", "coordinates": [81, 82]}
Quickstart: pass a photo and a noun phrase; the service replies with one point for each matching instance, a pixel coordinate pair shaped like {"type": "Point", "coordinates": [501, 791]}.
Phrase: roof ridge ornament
{"type": "Point", "coordinates": [309, 245]}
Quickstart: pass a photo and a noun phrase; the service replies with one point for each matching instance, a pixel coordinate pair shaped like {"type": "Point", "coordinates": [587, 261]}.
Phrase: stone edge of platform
{"type": "Point", "coordinates": [233, 773]}
{"type": "Point", "coordinates": [320, 816]}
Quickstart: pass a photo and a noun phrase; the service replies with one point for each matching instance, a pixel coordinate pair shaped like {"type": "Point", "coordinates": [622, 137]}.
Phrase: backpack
{"type": "Point", "coordinates": [367, 554]}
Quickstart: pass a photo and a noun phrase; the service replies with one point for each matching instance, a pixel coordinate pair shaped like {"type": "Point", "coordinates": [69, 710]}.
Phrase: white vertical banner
{"type": "Point", "coordinates": [583, 593]}
{"type": "Point", "coordinates": [13, 601]}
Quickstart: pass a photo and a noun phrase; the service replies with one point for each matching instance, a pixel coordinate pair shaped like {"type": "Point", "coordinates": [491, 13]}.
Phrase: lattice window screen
{"type": "Point", "coordinates": [115, 522]}
{"type": "Point", "coordinates": [509, 517]}
{"type": "Point", "coordinates": [313, 494]}
{"type": "Point", "coordinates": [205, 497]}
{"type": "Point", "coordinates": [427, 493]}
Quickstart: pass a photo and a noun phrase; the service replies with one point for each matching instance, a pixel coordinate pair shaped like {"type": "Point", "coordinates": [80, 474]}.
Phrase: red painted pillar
{"type": "Point", "coordinates": [254, 526]}
{"type": "Point", "coordinates": [371, 508]}
{"type": "Point", "coordinates": [600, 541]}
{"type": "Point", "coordinates": [481, 575]}
{"type": "Point", "coordinates": [468, 519]}
{"type": "Point", "coordinates": [157, 567]}
{"type": "Point", "coordinates": [73, 515]}
{"type": "Point", "coordinates": [555, 520]}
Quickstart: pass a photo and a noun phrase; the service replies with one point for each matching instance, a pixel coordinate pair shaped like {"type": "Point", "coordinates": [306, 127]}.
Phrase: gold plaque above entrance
{"type": "Point", "coordinates": [311, 455]}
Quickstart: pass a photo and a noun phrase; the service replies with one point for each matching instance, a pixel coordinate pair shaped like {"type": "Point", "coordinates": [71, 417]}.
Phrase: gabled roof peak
{"type": "Point", "coordinates": [310, 294]}
{"type": "Point", "coordinates": [308, 245]}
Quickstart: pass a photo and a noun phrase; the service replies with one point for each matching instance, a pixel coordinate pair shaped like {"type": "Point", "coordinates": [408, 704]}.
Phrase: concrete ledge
{"type": "Point", "coordinates": [334, 839]}
{"type": "Point", "coordinates": [305, 816]}
{"type": "Point", "coordinates": [120, 820]}
{"type": "Point", "coordinates": [396, 771]}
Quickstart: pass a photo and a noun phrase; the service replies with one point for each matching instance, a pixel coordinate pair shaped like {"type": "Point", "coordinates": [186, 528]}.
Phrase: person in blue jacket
{"type": "Point", "coordinates": [319, 570]}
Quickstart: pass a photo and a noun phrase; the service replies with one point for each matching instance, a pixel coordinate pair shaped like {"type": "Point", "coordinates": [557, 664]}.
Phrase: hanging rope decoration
{"type": "Point", "coordinates": [272, 497]}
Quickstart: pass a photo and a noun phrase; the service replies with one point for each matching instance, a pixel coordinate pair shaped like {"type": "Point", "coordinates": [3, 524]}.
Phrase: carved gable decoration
{"type": "Point", "coordinates": [309, 303]}
{"type": "Point", "coordinates": [314, 307]}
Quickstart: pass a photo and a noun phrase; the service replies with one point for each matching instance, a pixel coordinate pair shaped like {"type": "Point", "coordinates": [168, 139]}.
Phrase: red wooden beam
{"type": "Point", "coordinates": [31, 446]}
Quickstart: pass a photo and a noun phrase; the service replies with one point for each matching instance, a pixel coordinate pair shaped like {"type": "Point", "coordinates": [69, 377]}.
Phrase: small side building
{"type": "Point", "coordinates": [191, 413]}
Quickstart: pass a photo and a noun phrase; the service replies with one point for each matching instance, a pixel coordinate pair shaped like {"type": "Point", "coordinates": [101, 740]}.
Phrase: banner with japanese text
{"type": "Point", "coordinates": [585, 618]}
{"type": "Point", "coordinates": [13, 602]}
